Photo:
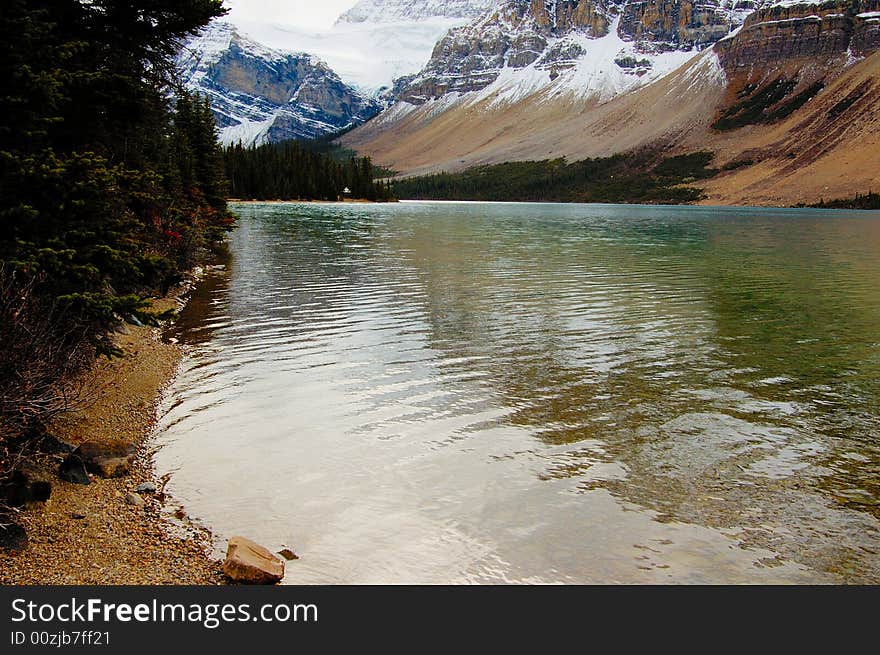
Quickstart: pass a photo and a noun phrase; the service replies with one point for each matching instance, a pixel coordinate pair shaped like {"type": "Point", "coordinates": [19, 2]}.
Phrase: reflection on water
{"type": "Point", "coordinates": [439, 393]}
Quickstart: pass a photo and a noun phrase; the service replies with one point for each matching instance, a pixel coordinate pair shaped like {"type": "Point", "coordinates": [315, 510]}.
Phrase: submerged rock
{"type": "Point", "coordinates": [249, 563]}
{"type": "Point", "coordinates": [288, 554]}
{"type": "Point", "coordinates": [73, 469]}
{"type": "Point", "coordinates": [112, 459]}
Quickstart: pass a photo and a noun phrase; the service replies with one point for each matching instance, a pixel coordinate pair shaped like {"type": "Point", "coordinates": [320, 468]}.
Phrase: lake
{"type": "Point", "coordinates": [537, 393]}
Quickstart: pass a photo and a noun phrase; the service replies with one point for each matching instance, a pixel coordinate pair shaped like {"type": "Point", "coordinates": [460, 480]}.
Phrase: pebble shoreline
{"type": "Point", "coordinates": [95, 535]}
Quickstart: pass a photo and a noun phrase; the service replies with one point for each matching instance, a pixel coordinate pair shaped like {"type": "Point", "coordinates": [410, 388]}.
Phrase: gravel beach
{"type": "Point", "coordinates": [95, 535]}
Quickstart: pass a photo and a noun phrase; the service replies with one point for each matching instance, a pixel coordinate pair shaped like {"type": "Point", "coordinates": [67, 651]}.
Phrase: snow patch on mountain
{"type": "Point", "coordinates": [249, 131]}
{"type": "Point", "coordinates": [704, 71]}
{"type": "Point", "coordinates": [602, 71]}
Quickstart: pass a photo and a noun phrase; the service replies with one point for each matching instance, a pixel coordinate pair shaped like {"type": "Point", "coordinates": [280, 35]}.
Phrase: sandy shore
{"type": "Point", "coordinates": [90, 534]}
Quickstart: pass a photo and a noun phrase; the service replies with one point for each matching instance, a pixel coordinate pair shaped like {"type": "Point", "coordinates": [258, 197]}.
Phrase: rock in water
{"type": "Point", "coordinates": [109, 460]}
{"type": "Point", "coordinates": [13, 538]}
{"type": "Point", "coordinates": [73, 469]}
{"type": "Point", "coordinates": [288, 554]}
{"type": "Point", "coordinates": [250, 563]}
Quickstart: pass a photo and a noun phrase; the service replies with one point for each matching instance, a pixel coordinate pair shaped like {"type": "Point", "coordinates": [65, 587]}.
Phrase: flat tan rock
{"type": "Point", "coordinates": [249, 563]}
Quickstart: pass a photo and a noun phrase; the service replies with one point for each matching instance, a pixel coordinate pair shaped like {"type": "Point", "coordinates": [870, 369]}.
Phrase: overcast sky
{"type": "Point", "coordinates": [300, 13]}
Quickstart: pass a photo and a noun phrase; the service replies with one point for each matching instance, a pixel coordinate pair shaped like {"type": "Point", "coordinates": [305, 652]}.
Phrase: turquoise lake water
{"type": "Point", "coordinates": [466, 392]}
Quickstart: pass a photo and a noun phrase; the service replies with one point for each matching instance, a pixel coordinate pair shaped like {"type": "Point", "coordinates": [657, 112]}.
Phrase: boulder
{"type": "Point", "coordinates": [146, 488]}
{"type": "Point", "coordinates": [13, 538]}
{"type": "Point", "coordinates": [52, 445]}
{"type": "Point", "coordinates": [134, 499]}
{"type": "Point", "coordinates": [112, 459]}
{"type": "Point", "coordinates": [249, 563]}
{"type": "Point", "coordinates": [28, 483]}
{"type": "Point", "coordinates": [73, 469]}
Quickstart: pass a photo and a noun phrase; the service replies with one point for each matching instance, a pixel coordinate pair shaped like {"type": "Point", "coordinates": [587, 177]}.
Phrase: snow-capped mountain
{"type": "Point", "coordinates": [259, 94]}
{"type": "Point", "coordinates": [270, 82]}
{"type": "Point", "coordinates": [376, 41]}
{"type": "Point", "coordinates": [785, 92]}
{"type": "Point", "coordinates": [599, 48]}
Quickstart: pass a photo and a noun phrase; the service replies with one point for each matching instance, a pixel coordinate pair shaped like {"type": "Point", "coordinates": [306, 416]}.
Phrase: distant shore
{"type": "Point", "coordinates": [91, 534]}
{"type": "Point", "coordinates": [310, 202]}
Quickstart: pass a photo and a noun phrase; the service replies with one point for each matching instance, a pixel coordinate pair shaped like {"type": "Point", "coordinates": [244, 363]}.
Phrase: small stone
{"type": "Point", "coordinates": [134, 499]}
{"type": "Point", "coordinates": [109, 460]}
{"type": "Point", "coordinates": [147, 488]}
{"type": "Point", "coordinates": [249, 563]}
{"type": "Point", "coordinates": [77, 516]}
{"type": "Point", "coordinates": [73, 469]}
{"type": "Point", "coordinates": [179, 514]}
{"type": "Point", "coordinates": [288, 554]}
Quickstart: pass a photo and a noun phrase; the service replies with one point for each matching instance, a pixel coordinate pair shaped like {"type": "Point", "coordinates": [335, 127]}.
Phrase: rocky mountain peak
{"type": "Point", "coordinates": [803, 29]}
{"type": "Point", "coordinates": [598, 47]}
{"type": "Point", "coordinates": [259, 94]}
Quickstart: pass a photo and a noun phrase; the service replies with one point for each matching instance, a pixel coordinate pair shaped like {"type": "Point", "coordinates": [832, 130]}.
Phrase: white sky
{"type": "Point", "coordinates": [296, 13]}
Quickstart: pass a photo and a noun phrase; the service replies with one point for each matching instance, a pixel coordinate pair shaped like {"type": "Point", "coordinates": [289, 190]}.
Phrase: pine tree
{"type": "Point", "coordinates": [102, 201]}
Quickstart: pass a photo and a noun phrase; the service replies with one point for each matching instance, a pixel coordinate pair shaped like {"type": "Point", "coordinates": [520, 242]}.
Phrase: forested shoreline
{"type": "Point", "coordinates": [869, 201]}
{"type": "Point", "coordinates": [636, 177]}
{"type": "Point", "coordinates": [291, 170]}
{"type": "Point", "coordinates": [112, 184]}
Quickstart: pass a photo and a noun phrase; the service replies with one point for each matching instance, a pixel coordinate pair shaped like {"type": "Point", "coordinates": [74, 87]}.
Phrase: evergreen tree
{"type": "Point", "coordinates": [107, 192]}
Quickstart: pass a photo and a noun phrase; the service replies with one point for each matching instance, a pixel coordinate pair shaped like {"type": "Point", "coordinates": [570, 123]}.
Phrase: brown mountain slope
{"type": "Point", "coordinates": [425, 139]}
{"type": "Point", "coordinates": [830, 148]}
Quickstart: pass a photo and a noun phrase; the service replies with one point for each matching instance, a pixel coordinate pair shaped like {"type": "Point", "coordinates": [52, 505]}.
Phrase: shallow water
{"type": "Point", "coordinates": [453, 392]}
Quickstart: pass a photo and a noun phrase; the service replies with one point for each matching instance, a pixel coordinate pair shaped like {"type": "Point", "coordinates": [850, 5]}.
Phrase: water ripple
{"type": "Point", "coordinates": [501, 393]}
